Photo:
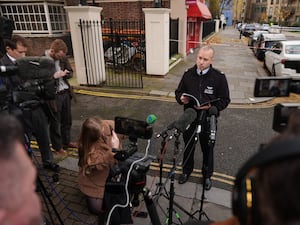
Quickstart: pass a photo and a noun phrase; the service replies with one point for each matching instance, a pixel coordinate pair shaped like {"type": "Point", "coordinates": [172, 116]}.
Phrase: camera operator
{"type": "Point", "coordinates": [61, 106]}
{"type": "Point", "coordinates": [19, 203]}
{"type": "Point", "coordinates": [15, 48]}
{"type": "Point", "coordinates": [96, 141]}
{"type": "Point", "coordinates": [34, 119]}
{"type": "Point", "coordinates": [206, 84]}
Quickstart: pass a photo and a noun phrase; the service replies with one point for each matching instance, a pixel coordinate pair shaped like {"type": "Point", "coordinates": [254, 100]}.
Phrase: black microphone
{"type": "Point", "coordinates": [213, 112]}
{"type": "Point", "coordinates": [184, 121]}
{"type": "Point", "coordinates": [8, 69]}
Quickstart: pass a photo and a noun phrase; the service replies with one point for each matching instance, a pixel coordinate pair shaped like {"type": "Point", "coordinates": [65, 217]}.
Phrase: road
{"type": "Point", "coordinates": [240, 130]}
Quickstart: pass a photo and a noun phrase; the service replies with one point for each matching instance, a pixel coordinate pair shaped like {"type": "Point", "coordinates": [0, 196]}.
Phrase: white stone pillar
{"type": "Point", "coordinates": [95, 46]}
{"type": "Point", "coordinates": [157, 31]}
{"type": "Point", "coordinates": [217, 24]}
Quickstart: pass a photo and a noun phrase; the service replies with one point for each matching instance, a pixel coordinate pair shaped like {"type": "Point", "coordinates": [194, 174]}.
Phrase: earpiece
{"type": "Point", "coordinates": [244, 197]}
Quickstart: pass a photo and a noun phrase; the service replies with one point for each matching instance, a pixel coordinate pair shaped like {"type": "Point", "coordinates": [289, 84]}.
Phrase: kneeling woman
{"type": "Point", "coordinates": [96, 140]}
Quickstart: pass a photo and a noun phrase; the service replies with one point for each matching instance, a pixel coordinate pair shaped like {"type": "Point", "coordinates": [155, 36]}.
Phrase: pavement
{"type": "Point", "coordinates": [235, 59]}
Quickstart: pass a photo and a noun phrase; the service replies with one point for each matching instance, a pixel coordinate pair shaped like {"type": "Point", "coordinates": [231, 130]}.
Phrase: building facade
{"type": "Point", "coordinates": [281, 12]}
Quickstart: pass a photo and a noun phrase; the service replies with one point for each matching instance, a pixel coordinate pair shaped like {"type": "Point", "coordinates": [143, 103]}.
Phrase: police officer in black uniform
{"type": "Point", "coordinates": [210, 86]}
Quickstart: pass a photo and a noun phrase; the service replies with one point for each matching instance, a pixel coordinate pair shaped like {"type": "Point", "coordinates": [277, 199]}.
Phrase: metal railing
{"type": "Point", "coordinates": [124, 52]}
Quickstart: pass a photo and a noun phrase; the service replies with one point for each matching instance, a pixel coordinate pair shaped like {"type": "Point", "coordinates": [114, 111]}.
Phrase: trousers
{"type": "Point", "coordinates": [191, 137]}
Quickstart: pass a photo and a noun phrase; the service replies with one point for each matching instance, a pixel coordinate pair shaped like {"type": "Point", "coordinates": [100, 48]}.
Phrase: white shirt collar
{"type": "Point", "coordinates": [11, 58]}
{"type": "Point", "coordinates": [203, 71]}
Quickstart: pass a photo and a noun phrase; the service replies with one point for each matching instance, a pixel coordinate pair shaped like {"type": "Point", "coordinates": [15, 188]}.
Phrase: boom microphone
{"type": "Point", "coordinates": [213, 112]}
{"type": "Point", "coordinates": [184, 121]}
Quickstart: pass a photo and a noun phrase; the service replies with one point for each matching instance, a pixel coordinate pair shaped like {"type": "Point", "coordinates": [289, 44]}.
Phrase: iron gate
{"type": "Point", "coordinates": [173, 36]}
{"type": "Point", "coordinates": [124, 52]}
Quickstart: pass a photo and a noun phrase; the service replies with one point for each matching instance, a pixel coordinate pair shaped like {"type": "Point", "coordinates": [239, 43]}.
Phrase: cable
{"type": "Point", "coordinates": [126, 184]}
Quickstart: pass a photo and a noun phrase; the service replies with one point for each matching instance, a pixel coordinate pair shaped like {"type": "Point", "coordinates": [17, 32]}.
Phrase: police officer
{"type": "Point", "coordinates": [209, 86]}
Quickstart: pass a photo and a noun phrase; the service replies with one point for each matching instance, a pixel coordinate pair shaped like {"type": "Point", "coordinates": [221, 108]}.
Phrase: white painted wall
{"type": "Point", "coordinates": [75, 13]}
{"type": "Point", "coordinates": [157, 23]}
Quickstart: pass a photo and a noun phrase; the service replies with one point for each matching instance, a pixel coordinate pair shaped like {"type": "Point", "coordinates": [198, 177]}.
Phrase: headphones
{"type": "Point", "coordinates": [244, 197]}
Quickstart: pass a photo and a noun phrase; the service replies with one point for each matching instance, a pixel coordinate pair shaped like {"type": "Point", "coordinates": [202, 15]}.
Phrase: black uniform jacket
{"type": "Point", "coordinates": [207, 87]}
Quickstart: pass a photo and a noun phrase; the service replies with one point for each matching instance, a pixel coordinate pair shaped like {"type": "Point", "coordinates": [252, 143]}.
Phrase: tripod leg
{"type": "Point", "coordinates": [44, 193]}
{"type": "Point", "coordinates": [151, 207]}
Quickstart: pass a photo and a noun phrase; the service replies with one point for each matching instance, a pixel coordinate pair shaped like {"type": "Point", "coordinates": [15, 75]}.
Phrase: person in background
{"type": "Point", "coordinates": [206, 84]}
{"type": "Point", "coordinates": [19, 202]}
{"type": "Point", "coordinates": [60, 125]}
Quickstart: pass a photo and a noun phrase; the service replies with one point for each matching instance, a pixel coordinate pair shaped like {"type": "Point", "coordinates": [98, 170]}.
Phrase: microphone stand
{"type": "Point", "coordinates": [172, 178]}
{"type": "Point", "coordinates": [204, 174]}
{"type": "Point", "coordinates": [161, 186]}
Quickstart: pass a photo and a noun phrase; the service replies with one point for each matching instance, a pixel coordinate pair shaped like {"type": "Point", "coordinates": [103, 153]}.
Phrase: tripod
{"type": "Point", "coordinates": [211, 143]}
{"type": "Point", "coordinates": [42, 189]}
{"type": "Point", "coordinates": [201, 211]}
{"type": "Point", "coordinates": [161, 186]}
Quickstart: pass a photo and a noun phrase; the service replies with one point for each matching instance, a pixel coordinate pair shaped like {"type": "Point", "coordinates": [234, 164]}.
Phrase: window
{"type": "Point", "coordinates": [36, 18]}
{"type": "Point", "coordinates": [257, 9]}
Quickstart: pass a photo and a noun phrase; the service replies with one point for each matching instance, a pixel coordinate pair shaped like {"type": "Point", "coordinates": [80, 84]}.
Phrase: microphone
{"type": "Point", "coordinates": [151, 119]}
{"type": "Point", "coordinates": [213, 112]}
{"type": "Point", "coordinates": [184, 121]}
{"type": "Point", "coordinates": [8, 69]}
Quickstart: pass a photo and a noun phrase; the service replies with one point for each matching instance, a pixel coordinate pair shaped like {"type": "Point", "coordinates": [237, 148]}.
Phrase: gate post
{"type": "Point", "coordinates": [217, 24]}
{"type": "Point", "coordinates": [84, 69]}
{"type": "Point", "coordinates": [157, 31]}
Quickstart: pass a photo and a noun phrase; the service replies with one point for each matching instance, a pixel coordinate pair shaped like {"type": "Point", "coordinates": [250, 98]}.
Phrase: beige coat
{"type": "Point", "coordinates": [92, 179]}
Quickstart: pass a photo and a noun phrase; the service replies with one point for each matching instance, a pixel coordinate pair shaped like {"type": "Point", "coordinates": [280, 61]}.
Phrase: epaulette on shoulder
{"type": "Point", "coordinates": [188, 69]}
{"type": "Point", "coordinates": [218, 71]}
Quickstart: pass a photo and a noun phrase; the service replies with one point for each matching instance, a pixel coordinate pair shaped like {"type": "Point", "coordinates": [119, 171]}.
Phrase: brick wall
{"type": "Point", "coordinates": [38, 45]}
{"type": "Point", "coordinates": [127, 10]}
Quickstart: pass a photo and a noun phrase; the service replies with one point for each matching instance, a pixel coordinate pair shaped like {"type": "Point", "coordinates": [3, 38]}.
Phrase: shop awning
{"type": "Point", "coordinates": [198, 9]}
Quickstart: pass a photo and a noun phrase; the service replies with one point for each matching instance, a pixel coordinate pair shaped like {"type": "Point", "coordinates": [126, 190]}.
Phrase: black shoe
{"type": "Point", "coordinates": [183, 178]}
{"type": "Point", "coordinates": [208, 184]}
{"type": "Point", "coordinates": [51, 166]}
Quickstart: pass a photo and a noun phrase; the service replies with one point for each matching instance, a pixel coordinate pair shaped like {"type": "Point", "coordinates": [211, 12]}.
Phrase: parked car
{"type": "Point", "coordinates": [248, 29]}
{"type": "Point", "coordinates": [265, 42]}
{"type": "Point", "coordinates": [275, 29]}
{"type": "Point", "coordinates": [253, 37]}
{"type": "Point", "coordinates": [265, 27]}
{"type": "Point", "coordinates": [284, 59]}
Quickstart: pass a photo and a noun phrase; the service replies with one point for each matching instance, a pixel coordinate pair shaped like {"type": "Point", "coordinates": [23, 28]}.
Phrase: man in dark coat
{"type": "Point", "coordinates": [209, 86]}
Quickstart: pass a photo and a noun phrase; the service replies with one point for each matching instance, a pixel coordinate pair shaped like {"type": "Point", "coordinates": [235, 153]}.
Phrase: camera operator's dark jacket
{"type": "Point", "coordinates": [11, 81]}
{"type": "Point", "coordinates": [206, 87]}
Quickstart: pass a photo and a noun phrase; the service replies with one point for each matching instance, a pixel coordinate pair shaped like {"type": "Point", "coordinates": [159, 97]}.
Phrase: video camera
{"type": "Point", "coordinates": [28, 83]}
{"type": "Point", "coordinates": [278, 87]}
{"type": "Point", "coordinates": [134, 129]}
